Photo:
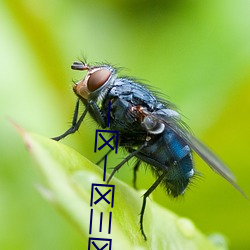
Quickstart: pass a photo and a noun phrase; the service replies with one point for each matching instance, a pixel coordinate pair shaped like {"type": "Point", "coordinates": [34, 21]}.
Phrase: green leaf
{"type": "Point", "coordinates": [68, 177]}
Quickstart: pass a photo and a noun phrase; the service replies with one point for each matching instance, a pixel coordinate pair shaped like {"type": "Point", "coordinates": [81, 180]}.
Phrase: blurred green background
{"type": "Point", "coordinates": [195, 52]}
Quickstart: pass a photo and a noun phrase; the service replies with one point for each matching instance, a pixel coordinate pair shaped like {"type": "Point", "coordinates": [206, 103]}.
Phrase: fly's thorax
{"type": "Point", "coordinates": [94, 85]}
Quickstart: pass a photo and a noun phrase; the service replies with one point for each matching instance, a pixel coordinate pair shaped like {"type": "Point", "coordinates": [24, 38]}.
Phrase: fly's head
{"type": "Point", "coordinates": [96, 79]}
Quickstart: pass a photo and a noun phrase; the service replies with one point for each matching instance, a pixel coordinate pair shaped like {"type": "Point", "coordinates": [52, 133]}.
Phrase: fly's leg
{"type": "Point", "coordinates": [125, 160]}
{"type": "Point", "coordinates": [99, 116]}
{"type": "Point", "coordinates": [75, 124]}
{"type": "Point", "coordinates": [145, 196]}
{"type": "Point", "coordinates": [136, 167]}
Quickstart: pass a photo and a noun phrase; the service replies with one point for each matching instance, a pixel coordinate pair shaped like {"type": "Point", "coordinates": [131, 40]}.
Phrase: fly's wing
{"type": "Point", "coordinates": [175, 124]}
{"type": "Point", "coordinates": [212, 160]}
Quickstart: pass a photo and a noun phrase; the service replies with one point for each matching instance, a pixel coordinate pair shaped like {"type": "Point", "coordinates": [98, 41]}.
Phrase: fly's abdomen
{"type": "Point", "coordinates": [169, 154]}
{"type": "Point", "coordinates": [180, 167]}
{"type": "Point", "coordinates": [178, 176]}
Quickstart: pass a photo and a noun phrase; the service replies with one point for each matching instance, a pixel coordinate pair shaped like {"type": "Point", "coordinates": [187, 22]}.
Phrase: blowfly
{"type": "Point", "coordinates": [150, 129]}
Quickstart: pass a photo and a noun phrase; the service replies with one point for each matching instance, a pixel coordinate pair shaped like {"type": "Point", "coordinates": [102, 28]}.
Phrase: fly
{"type": "Point", "coordinates": [150, 129]}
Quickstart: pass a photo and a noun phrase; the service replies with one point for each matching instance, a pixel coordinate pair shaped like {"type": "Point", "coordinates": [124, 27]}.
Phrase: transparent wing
{"type": "Point", "coordinates": [207, 155]}
{"type": "Point", "coordinates": [175, 124]}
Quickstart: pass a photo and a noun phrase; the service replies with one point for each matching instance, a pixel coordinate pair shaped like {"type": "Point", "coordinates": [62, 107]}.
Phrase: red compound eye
{"type": "Point", "coordinates": [97, 79]}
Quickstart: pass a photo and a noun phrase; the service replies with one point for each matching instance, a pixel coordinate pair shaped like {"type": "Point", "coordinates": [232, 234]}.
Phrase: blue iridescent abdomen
{"type": "Point", "coordinates": [170, 153]}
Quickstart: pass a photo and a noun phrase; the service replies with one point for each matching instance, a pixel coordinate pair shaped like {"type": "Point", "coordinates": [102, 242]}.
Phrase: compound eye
{"type": "Point", "coordinates": [97, 79]}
